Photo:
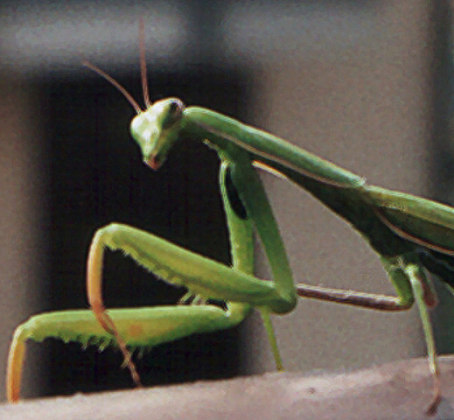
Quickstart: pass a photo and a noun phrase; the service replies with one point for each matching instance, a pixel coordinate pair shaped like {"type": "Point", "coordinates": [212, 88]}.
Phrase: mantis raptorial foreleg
{"type": "Point", "coordinates": [147, 327]}
{"type": "Point", "coordinates": [200, 275]}
{"type": "Point", "coordinates": [140, 327]}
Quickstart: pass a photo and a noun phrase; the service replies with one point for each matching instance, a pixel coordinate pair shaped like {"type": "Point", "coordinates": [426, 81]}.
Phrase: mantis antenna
{"type": "Point", "coordinates": [143, 65]}
{"type": "Point", "coordinates": [113, 82]}
{"type": "Point", "coordinates": [143, 74]}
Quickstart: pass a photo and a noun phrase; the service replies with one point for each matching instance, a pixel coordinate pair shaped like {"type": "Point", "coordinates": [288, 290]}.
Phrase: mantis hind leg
{"type": "Point", "coordinates": [411, 285]}
{"type": "Point", "coordinates": [418, 282]}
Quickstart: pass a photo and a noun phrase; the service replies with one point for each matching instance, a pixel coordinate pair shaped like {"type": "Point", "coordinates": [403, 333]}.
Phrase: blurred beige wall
{"type": "Point", "coordinates": [367, 111]}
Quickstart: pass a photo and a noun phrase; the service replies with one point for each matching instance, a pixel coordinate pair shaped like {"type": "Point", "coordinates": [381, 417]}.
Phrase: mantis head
{"type": "Point", "coordinates": [156, 129]}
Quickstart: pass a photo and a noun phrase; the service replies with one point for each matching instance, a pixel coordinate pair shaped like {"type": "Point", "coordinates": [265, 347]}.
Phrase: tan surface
{"type": "Point", "coordinates": [400, 390]}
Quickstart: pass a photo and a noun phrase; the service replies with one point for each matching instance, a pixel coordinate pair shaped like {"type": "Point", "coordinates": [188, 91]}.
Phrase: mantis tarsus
{"type": "Point", "coordinates": [412, 235]}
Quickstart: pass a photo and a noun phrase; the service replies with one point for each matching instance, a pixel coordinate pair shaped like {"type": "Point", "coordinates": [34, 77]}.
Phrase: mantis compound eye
{"type": "Point", "coordinates": [174, 112]}
{"type": "Point", "coordinates": [176, 106]}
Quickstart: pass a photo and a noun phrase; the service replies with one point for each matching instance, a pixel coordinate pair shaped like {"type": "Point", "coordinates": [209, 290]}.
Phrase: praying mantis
{"type": "Point", "coordinates": [411, 235]}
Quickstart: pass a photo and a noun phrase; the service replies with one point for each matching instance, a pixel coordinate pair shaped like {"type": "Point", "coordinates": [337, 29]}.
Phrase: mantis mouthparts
{"type": "Point", "coordinates": [153, 163]}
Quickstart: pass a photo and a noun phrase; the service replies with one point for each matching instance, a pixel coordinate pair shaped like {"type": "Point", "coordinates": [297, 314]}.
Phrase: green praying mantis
{"type": "Point", "coordinates": [411, 235]}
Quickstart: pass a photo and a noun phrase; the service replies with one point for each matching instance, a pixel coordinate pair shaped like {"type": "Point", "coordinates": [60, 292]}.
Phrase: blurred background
{"type": "Point", "coordinates": [365, 84]}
